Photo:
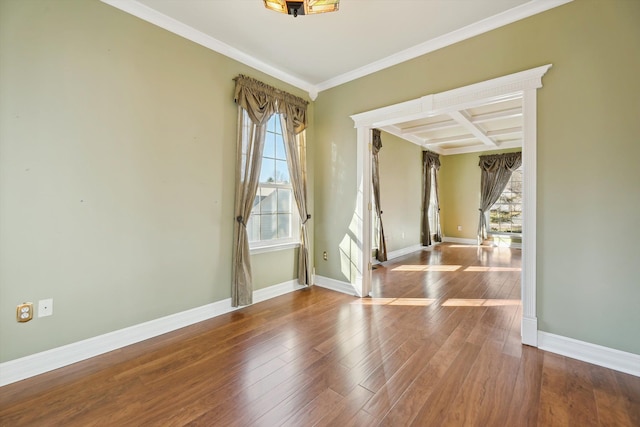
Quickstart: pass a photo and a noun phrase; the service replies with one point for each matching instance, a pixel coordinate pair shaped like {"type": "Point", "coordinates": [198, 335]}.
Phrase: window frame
{"type": "Point", "coordinates": [270, 245]}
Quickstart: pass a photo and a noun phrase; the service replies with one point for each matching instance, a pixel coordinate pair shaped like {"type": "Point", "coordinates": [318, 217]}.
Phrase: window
{"type": "Point", "coordinates": [274, 217]}
{"type": "Point", "coordinates": [505, 216]}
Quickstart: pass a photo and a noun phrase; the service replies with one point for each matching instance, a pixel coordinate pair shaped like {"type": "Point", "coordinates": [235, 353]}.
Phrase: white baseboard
{"type": "Point", "coordinates": [39, 363]}
{"type": "Point", "coordinates": [335, 285]}
{"type": "Point", "coordinates": [460, 241]}
{"type": "Point", "coordinates": [404, 251]}
{"type": "Point", "coordinates": [622, 361]}
{"type": "Point", "coordinates": [276, 290]}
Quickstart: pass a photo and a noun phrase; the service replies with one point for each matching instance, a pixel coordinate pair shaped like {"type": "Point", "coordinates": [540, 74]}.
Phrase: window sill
{"type": "Point", "coordinates": [273, 248]}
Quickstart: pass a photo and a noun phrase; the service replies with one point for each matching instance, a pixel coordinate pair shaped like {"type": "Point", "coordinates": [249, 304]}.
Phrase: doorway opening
{"type": "Point", "coordinates": [524, 85]}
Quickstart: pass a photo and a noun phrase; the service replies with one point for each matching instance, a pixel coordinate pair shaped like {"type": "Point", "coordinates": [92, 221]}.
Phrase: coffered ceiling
{"type": "Point", "coordinates": [492, 126]}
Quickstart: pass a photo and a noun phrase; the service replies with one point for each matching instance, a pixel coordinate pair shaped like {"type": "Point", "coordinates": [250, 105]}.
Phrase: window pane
{"type": "Point", "coordinates": [268, 171]}
{"type": "Point", "coordinates": [276, 123]}
{"type": "Point", "coordinates": [284, 200]}
{"type": "Point", "coordinates": [268, 227]}
{"type": "Point", "coordinates": [269, 145]}
{"type": "Point", "coordinates": [280, 153]}
{"type": "Point", "coordinates": [253, 228]}
{"type": "Point", "coordinates": [268, 202]}
{"type": "Point", "coordinates": [282, 171]}
{"type": "Point", "coordinates": [284, 226]}
{"type": "Point", "coordinates": [256, 203]}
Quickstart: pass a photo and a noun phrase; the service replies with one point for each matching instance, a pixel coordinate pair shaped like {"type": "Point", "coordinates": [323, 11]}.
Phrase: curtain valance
{"type": "Point", "coordinates": [261, 101]}
{"type": "Point", "coordinates": [493, 162]}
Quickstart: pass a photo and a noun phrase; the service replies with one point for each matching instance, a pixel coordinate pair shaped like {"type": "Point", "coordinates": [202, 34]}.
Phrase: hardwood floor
{"type": "Point", "coordinates": [438, 346]}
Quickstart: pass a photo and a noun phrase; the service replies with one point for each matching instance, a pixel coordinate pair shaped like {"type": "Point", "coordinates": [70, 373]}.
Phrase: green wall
{"type": "Point", "coordinates": [117, 150]}
{"type": "Point", "coordinates": [400, 191]}
{"type": "Point", "coordinates": [117, 153]}
{"type": "Point", "coordinates": [459, 191]}
{"type": "Point", "coordinates": [587, 177]}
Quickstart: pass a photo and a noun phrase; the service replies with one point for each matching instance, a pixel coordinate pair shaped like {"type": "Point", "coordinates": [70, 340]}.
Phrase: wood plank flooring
{"type": "Point", "coordinates": [439, 345]}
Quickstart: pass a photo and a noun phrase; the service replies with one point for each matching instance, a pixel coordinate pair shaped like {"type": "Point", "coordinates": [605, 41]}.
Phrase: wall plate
{"type": "Point", "coordinates": [45, 307]}
{"type": "Point", "coordinates": [24, 312]}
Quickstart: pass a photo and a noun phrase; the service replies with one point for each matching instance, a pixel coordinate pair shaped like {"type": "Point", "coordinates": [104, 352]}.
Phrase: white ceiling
{"type": "Point", "coordinates": [318, 52]}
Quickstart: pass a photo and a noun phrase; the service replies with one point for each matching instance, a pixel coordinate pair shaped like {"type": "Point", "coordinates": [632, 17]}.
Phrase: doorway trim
{"type": "Point", "coordinates": [524, 84]}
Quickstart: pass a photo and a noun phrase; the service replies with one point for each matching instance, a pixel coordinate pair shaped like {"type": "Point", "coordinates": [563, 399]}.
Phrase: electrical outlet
{"type": "Point", "coordinates": [24, 312]}
{"type": "Point", "coordinates": [459, 228]}
{"type": "Point", "coordinates": [324, 255]}
{"type": "Point", "coordinates": [45, 307]}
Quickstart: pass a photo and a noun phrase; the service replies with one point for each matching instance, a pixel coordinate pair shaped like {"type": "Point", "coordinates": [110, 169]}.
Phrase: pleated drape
{"type": "Point", "coordinates": [293, 116]}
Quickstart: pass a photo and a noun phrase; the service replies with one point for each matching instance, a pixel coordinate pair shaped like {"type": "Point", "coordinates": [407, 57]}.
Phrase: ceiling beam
{"type": "Point", "coordinates": [474, 148]}
{"type": "Point", "coordinates": [502, 132]}
{"type": "Point", "coordinates": [464, 120]}
{"type": "Point", "coordinates": [447, 124]}
{"type": "Point", "coordinates": [394, 130]}
{"type": "Point", "coordinates": [450, 140]}
{"type": "Point", "coordinates": [497, 115]}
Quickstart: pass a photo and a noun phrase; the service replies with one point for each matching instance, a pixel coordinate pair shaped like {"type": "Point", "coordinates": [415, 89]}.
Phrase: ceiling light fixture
{"type": "Point", "coordinates": [306, 7]}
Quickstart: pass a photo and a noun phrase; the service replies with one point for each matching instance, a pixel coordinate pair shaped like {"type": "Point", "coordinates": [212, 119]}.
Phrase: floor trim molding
{"type": "Point", "coordinates": [404, 251]}
{"type": "Point", "coordinates": [335, 285]}
{"type": "Point", "coordinates": [618, 360]}
{"type": "Point", "coordinates": [39, 363]}
{"type": "Point", "coordinates": [460, 241]}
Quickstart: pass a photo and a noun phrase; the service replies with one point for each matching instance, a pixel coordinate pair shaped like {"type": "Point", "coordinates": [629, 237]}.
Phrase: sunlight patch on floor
{"type": "Point", "coordinates": [481, 268]}
{"type": "Point", "coordinates": [468, 302]}
{"type": "Point", "coordinates": [395, 301]}
{"type": "Point", "coordinates": [427, 268]}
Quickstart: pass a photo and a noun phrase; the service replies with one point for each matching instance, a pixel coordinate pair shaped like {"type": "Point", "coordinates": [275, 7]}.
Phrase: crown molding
{"type": "Point", "coordinates": [152, 16]}
{"type": "Point", "coordinates": [523, 11]}
{"type": "Point", "coordinates": [500, 88]}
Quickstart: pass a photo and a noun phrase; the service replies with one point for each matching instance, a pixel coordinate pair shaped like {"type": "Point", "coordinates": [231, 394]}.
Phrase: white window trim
{"type": "Point", "coordinates": [274, 246]}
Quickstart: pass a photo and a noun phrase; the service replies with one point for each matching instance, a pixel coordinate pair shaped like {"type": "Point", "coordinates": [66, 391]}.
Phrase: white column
{"type": "Point", "coordinates": [529, 162]}
{"type": "Point", "coordinates": [363, 176]}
